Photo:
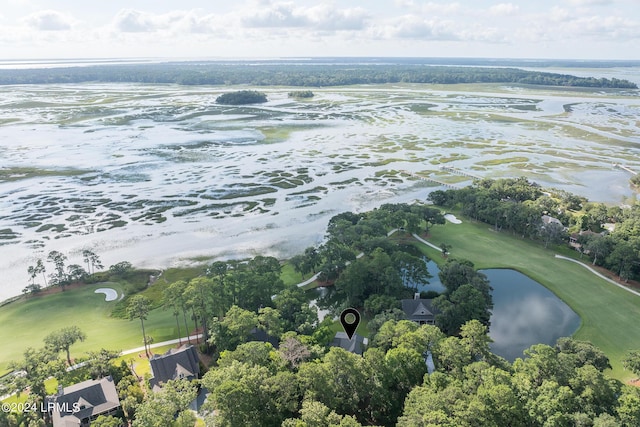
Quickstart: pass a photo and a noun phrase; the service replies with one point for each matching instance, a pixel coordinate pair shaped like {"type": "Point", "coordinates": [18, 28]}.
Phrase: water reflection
{"type": "Point", "coordinates": [434, 281]}
{"type": "Point", "coordinates": [524, 312]}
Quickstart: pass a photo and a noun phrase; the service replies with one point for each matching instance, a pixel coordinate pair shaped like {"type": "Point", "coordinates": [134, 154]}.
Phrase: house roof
{"type": "Point", "coordinates": [356, 344]}
{"type": "Point", "coordinates": [546, 219]}
{"type": "Point", "coordinates": [176, 363]}
{"type": "Point", "coordinates": [261, 335]}
{"type": "Point", "coordinates": [88, 399]}
{"type": "Point", "coordinates": [419, 309]}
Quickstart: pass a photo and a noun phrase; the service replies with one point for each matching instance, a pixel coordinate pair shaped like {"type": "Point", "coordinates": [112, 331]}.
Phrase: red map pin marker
{"type": "Point", "coordinates": [350, 323]}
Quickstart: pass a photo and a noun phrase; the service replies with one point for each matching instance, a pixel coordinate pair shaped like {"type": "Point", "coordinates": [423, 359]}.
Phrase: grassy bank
{"type": "Point", "coordinates": [609, 314]}
{"type": "Point", "coordinates": [27, 322]}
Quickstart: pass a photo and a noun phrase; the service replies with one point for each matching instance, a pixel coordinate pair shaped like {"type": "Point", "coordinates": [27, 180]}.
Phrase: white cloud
{"type": "Point", "coordinates": [559, 14]}
{"type": "Point", "coordinates": [442, 8]}
{"type": "Point", "coordinates": [504, 9]}
{"type": "Point", "coordinates": [134, 21]}
{"type": "Point", "coordinates": [404, 3]}
{"type": "Point", "coordinates": [431, 8]}
{"type": "Point", "coordinates": [177, 21]}
{"type": "Point", "coordinates": [590, 2]}
{"type": "Point", "coordinates": [195, 22]}
{"type": "Point", "coordinates": [414, 27]}
{"type": "Point", "coordinates": [49, 20]}
{"type": "Point", "coordinates": [276, 15]}
{"type": "Point", "coordinates": [319, 17]}
{"type": "Point", "coordinates": [326, 17]}
{"type": "Point", "coordinates": [287, 27]}
{"type": "Point", "coordinates": [483, 34]}
{"type": "Point", "coordinates": [600, 28]}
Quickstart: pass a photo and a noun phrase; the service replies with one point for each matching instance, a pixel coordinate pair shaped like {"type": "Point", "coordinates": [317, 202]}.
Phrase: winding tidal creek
{"type": "Point", "coordinates": [161, 175]}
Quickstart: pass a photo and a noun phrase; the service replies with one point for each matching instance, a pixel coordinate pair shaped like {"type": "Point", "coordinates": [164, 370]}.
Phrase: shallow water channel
{"type": "Point", "coordinates": [524, 312]}
{"type": "Point", "coordinates": [163, 176]}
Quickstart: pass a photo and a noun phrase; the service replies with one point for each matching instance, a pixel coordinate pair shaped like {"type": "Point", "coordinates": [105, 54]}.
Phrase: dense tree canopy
{"type": "Point", "coordinates": [168, 407]}
{"type": "Point", "coordinates": [467, 296]}
{"type": "Point", "coordinates": [382, 267]}
{"type": "Point", "coordinates": [303, 74]}
{"type": "Point", "coordinates": [562, 385]}
{"type": "Point", "coordinates": [519, 206]}
{"type": "Point", "coordinates": [306, 383]}
{"type": "Point", "coordinates": [63, 339]}
{"type": "Point", "coordinates": [242, 97]}
{"type": "Point", "coordinates": [300, 94]}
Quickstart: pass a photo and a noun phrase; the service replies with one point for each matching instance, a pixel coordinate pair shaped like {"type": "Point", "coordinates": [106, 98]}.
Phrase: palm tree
{"type": "Point", "coordinates": [173, 298]}
{"type": "Point", "coordinates": [138, 308]}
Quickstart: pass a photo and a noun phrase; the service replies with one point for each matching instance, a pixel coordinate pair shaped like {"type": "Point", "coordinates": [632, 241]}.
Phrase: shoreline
{"type": "Point", "coordinates": [212, 182]}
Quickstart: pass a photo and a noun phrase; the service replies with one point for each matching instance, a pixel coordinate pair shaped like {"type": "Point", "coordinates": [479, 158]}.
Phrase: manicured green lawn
{"type": "Point", "coordinates": [610, 315]}
{"type": "Point", "coordinates": [290, 276]}
{"type": "Point", "coordinates": [141, 365]}
{"type": "Point", "coordinates": [26, 323]}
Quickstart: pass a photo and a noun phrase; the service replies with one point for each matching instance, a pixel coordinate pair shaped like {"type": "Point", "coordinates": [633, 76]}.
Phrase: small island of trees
{"type": "Point", "coordinates": [242, 97]}
{"type": "Point", "coordinates": [300, 94]}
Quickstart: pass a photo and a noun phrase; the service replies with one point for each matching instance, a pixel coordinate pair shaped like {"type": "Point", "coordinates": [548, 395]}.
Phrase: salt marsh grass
{"type": "Point", "coordinates": [156, 174]}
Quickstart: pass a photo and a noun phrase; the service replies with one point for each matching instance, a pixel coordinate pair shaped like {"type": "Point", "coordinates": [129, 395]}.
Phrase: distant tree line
{"type": "Point", "coordinates": [519, 206]}
{"type": "Point", "coordinates": [64, 274]}
{"type": "Point", "coordinates": [309, 75]}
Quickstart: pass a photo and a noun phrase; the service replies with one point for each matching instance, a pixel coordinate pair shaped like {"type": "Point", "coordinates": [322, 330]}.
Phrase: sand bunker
{"type": "Point", "coordinates": [109, 294]}
{"type": "Point", "coordinates": [452, 219]}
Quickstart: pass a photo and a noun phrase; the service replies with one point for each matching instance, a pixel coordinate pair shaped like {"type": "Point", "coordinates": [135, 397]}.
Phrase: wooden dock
{"type": "Point", "coordinates": [459, 172]}
{"type": "Point", "coordinates": [430, 179]}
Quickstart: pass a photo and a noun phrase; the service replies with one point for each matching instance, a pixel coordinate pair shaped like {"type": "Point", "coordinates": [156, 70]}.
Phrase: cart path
{"type": "Point", "coordinates": [597, 273]}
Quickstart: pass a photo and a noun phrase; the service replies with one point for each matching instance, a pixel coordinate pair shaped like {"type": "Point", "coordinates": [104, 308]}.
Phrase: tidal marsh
{"type": "Point", "coordinates": [155, 174]}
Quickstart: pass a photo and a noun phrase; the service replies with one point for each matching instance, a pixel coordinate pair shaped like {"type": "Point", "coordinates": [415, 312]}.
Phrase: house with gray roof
{"type": "Point", "coordinates": [548, 220]}
{"type": "Point", "coordinates": [258, 334]}
{"type": "Point", "coordinates": [420, 310]}
{"type": "Point", "coordinates": [177, 363]}
{"type": "Point", "coordinates": [357, 344]}
{"type": "Point", "coordinates": [80, 404]}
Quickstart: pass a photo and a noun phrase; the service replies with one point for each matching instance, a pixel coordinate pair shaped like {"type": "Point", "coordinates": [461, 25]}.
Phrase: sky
{"type": "Point", "coordinates": [572, 29]}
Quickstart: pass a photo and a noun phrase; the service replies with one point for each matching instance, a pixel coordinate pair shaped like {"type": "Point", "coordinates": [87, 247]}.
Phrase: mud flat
{"type": "Point", "coordinates": [159, 175]}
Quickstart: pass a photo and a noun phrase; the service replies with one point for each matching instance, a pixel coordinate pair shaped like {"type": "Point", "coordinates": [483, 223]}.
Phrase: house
{"type": "Point", "coordinates": [82, 403]}
{"type": "Point", "coordinates": [260, 335]}
{"type": "Point", "coordinates": [419, 310]}
{"type": "Point", "coordinates": [177, 363]}
{"type": "Point", "coordinates": [546, 220]}
{"type": "Point", "coordinates": [574, 239]}
{"type": "Point", "coordinates": [356, 344]}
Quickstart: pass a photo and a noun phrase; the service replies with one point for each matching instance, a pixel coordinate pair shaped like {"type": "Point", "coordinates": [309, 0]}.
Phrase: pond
{"type": "Point", "coordinates": [524, 312]}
